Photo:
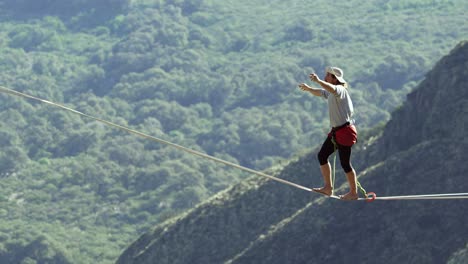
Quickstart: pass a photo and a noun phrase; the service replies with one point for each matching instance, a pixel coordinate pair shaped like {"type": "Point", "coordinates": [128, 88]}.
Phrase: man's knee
{"type": "Point", "coordinates": [322, 158]}
{"type": "Point", "coordinates": [347, 167]}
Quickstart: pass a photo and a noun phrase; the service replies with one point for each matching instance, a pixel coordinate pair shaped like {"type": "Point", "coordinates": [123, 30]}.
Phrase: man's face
{"type": "Point", "coordinates": [330, 78]}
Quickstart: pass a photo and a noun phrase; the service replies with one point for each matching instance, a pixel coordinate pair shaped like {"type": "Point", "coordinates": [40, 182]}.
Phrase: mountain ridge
{"type": "Point", "coordinates": [433, 123]}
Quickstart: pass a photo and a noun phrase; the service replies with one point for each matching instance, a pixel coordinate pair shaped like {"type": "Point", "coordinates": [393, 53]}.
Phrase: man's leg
{"type": "Point", "coordinates": [352, 194]}
{"type": "Point", "coordinates": [345, 157]}
{"type": "Point", "coordinates": [327, 189]}
{"type": "Point", "coordinates": [325, 168]}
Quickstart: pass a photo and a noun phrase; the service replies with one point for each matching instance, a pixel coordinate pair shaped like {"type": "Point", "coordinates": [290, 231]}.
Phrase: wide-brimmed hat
{"type": "Point", "coordinates": [337, 72]}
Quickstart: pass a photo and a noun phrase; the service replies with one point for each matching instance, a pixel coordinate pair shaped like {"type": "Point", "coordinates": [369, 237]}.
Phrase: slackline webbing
{"type": "Point", "coordinates": [203, 155]}
{"type": "Point", "coordinates": [442, 196]}
{"type": "Point", "coordinates": [191, 151]}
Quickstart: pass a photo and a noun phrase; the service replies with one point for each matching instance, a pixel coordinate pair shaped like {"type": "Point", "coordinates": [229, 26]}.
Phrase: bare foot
{"type": "Point", "coordinates": [349, 196]}
{"type": "Point", "coordinates": [324, 190]}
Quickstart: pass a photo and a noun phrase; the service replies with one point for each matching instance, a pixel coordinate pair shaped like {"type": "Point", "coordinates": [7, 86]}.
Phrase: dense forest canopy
{"type": "Point", "coordinates": [216, 76]}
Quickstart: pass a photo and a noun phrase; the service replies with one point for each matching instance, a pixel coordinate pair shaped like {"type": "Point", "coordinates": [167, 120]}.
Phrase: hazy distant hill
{"type": "Point", "coordinates": [421, 150]}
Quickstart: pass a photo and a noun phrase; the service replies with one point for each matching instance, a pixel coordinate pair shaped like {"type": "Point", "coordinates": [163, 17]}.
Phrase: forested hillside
{"type": "Point", "coordinates": [215, 76]}
{"type": "Point", "coordinates": [262, 221]}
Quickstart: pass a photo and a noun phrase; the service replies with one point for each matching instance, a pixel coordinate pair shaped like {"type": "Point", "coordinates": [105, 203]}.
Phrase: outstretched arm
{"type": "Point", "coordinates": [325, 85]}
{"type": "Point", "coordinates": [307, 88]}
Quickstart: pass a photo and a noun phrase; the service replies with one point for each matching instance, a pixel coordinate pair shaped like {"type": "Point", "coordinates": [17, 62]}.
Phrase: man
{"type": "Point", "coordinates": [335, 89]}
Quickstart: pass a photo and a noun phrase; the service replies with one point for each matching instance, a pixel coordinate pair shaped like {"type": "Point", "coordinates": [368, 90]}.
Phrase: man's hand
{"type": "Point", "coordinates": [305, 87]}
{"type": "Point", "coordinates": [313, 77]}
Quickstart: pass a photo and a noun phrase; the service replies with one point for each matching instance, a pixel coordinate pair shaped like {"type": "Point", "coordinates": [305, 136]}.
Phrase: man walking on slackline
{"type": "Point", "coordinates": [335, 89]}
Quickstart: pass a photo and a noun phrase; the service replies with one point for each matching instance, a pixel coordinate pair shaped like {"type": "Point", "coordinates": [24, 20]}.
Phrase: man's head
{"type": "Point", "coordinates": [334, 75]}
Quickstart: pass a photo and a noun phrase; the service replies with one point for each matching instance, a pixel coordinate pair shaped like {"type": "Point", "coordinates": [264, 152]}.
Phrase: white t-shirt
{"type": "Point", "coordinates": [340, 106]}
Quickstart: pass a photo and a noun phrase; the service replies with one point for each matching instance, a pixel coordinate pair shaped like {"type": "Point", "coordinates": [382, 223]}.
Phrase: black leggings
{"type": "Point", "coordinates": [344, 152]}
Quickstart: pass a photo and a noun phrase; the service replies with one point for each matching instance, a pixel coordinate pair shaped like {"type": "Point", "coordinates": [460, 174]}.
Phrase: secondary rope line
{"type": "Point", "coordinates": [335, 150]}
{"type": "Point", "coordinates": [191, 151]}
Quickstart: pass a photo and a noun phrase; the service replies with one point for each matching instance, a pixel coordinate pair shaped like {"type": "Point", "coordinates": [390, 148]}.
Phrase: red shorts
{"type": "Point", "coordinates": [346, 136]}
